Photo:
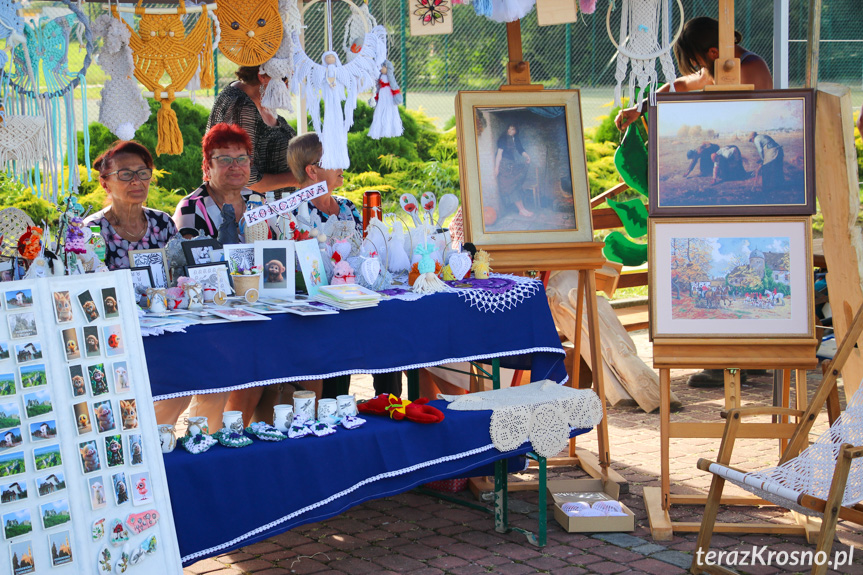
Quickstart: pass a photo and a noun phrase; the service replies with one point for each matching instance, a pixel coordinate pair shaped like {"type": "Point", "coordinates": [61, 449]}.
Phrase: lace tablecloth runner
{"type": "Point", "coordinates": [542, 411]}
{"type": "Point", "coordinates": [497, 293]}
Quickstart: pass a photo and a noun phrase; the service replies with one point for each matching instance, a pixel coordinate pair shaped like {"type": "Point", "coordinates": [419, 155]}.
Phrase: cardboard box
{"type": "Point", "coordinates": [590, 491]}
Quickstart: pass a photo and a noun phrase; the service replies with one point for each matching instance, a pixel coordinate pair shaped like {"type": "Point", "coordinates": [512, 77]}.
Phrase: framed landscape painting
{"type": "Point", "coordinates": [523, 169]}
{"type": "Point", "coordinates": [742, 278]}
{"type": "Point", "coordinates": [732, 153]}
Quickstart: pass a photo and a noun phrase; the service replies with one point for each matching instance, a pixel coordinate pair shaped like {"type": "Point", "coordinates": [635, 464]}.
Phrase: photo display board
{"type": "Point", "coordinates": [82, 481]}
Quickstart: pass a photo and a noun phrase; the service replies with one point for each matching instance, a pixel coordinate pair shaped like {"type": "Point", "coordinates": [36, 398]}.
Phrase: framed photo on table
{"type": "Point", "coordinates": [156, 260]}
{"type": "Point", "coordinates": [239, 256]}
{"type": "Point", "coordinates": [732, 153]}
{"type": "Point", "coordinates": [523, 168]}
{"type": "Point", "coordinates": [724, 278]}
{"type": "Point", "coordinates": [276, 257]}
{"type": "Point", "coordinates": [200, 251]}
{"type": "Point", "coordinates": [213, 275]}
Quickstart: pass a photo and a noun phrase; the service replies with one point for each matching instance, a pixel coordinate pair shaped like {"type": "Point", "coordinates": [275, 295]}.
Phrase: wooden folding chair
{"type": "Point", "coordinates": [824, 480]}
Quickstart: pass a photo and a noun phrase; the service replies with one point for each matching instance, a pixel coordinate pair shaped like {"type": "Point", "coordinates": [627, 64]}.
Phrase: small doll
{"type": "Point", "coordinates": [386, 122]}
{"type": "Point", "coordinates": [481, 265]}
{"type": "Point", "coordinates": [343, 273]}
{"type": "Point", "coordinates": [427, 282]}
{"type": "Point", "coordinates": [75, 240]}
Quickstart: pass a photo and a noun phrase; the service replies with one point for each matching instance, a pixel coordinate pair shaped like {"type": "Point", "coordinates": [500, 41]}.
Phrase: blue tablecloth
{"type": "Point", "coordinates": [226, 498]}
{"type": "Point", "coordinates": [393, 336]}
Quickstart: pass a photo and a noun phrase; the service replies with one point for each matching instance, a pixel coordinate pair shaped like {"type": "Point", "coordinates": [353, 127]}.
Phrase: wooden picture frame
{"type": "Point", "coordinates": [155, 259]}
{"type": "Point", "coordinates": [713, 278]}
{"type": "Point", "coordinates": [200, 250]}
{"type": "Point", "coordinates": [705, 162]}
{"type": "Point", "coordinates": [278, 282]}
{"type": "Point", "coordinates": [522, 168]}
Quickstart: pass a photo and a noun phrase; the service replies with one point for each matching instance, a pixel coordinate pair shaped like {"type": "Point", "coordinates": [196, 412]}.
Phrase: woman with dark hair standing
{"type": "Point", "coordinates": [240, 104]}
{"type": "Point", "coordinates": [696, 51]}
{"type": "Point", "coordinates": [510, 170]}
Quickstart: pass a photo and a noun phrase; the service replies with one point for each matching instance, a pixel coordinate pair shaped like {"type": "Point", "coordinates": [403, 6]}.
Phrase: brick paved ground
{"type": "Point", "coordinates": [421, 535]}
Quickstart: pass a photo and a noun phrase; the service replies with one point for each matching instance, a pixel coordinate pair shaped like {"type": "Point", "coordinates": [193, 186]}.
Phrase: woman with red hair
{"type": "Point", "coordinates": [226, 165]}
{"type": "Point", "coordinates": [125, 170]}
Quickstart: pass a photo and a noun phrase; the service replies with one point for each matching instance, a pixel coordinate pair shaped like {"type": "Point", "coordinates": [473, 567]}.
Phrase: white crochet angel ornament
{"type": "Point", "coordinates": [281, 66]}
{"type": "Point", "coordinates": [335, 83]}
{"type": "Point", "coordinates": [122, 108]}
{"type": "Point", "coordinates": [386, 122]}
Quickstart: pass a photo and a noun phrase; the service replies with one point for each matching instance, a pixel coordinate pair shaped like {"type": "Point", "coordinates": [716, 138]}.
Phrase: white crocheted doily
{"type": "Point", "coordinates": [543, 412]}
{"type": "Point", "coordinates": [499, 292]}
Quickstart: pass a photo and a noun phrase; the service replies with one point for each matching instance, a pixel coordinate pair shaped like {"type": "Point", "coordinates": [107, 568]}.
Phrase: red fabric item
{"type": "Point", "coordinates": [399, 409]}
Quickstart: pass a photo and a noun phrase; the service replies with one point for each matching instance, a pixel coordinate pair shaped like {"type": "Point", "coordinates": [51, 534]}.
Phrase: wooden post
{"type": "Point", "coordinates": [517, 70]}
{"type": "Point", "coordinates": [726, 71]}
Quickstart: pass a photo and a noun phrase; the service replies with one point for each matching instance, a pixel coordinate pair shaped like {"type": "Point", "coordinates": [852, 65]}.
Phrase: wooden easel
{"type": "Point", "coordinates": [796, 354]}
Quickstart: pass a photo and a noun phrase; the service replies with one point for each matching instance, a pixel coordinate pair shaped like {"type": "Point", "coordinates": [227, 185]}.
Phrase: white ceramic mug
{"type": "Point", "coordinates": [197, 425]}
{"type": "Point", "coordinates": [233, 420]}
{"type": "Point", "coordinates": [304, 404]}
{"type": "Point", "coordinates": [347, 405]}
{"type": "Point", "coordinates": [166, 437]}
{"type": "Point", "coordinates": [327, 408]}
{"type": "Point", "coordinates": [282, 416]}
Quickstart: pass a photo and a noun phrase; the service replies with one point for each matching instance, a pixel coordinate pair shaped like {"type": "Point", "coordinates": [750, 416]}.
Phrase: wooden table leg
{"type": "Point", "coordinates": [596, 366]}
{"type": "Point", "coordinates": [786, 400]}
{"type": "Point", "coordinates": [732, 388]}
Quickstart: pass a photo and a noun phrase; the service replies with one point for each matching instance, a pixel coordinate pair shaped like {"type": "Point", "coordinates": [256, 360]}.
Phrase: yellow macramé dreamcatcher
{"type": "Point", "coordinates": [162, 46]}
{"type": "Point", "coordinates": [251, 30]}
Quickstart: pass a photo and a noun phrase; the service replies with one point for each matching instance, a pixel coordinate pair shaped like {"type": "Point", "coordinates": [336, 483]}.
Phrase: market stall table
{"type": "Point", "coordinates": [396, 335]}
{"type": "Point", "coordinates": [226, 498]}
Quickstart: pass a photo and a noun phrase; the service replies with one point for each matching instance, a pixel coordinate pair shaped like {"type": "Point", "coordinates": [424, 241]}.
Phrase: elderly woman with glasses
{"type": "Point", "coordinates": [226, 165]}
{"type": "Point", "coordinates": [125, 170]}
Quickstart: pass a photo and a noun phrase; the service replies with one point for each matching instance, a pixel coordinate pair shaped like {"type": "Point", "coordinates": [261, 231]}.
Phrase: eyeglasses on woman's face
{"type": "Point", "coordinates": [129, 175]}
{"type": "Point", "coordinates": [227, 161]}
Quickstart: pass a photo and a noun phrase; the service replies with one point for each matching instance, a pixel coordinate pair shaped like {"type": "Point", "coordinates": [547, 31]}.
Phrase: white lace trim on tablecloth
{"type": "Point", "coordinates": [543, 412]}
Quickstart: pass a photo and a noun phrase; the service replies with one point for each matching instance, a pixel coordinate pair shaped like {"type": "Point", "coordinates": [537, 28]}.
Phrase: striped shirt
{"type": "Point", "coordinates": [199, 212]}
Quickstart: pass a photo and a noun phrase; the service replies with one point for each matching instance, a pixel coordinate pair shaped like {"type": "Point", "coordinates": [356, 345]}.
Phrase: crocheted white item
{"type": "Point", "coordinates": [276, 95]}
{"type": "Point", "coordinates": [811, 472]}
{"type": "Point", "coordinates": [490, 301]}
{"type": "Point", "coordinates": [23, 139]}
{"type": "Point", "coordinates": [122, 108]}
{"type": "Point", "coordinates": [355, 28]}
{"type": "Point", "coordinates": [542, 411]}
{"type": "Point", "coordinates": [510, 10]}
{"type": "Point", "coordinates": [640, 24]}
{"type": "Point", "coordinates": [199, 443]}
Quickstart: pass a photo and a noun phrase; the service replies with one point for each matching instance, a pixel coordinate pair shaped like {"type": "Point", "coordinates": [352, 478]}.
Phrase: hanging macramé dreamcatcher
{"type": "Point", "coordinates": [281, 65]}
{"type": "Point", "coordinates": [252, 30]}
{"type": "Point", "coordinates": [122, 109]}
{"type": "Point", "coordinates": [44, 58]}
{"type": "Point", "coordinates": [641, 22]}
{"type": "Point", "coordinates": [160, 47]}
{"type": "Point", "coordinates": [11, 26]}
{"type": "Point", "coordinates": [335, 83]}
{"type": "Point", "coordinates": [356, 27]}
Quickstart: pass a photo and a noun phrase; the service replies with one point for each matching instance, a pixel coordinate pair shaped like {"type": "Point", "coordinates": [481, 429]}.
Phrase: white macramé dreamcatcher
{"type": "Point", "coordinates": [542, 412]}
{"type": "Point", "coordinates": [641, 22]}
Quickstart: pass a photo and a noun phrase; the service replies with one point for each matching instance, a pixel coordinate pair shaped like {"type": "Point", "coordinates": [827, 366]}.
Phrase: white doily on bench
{"type": "Point", "coordinates": [543, 412]}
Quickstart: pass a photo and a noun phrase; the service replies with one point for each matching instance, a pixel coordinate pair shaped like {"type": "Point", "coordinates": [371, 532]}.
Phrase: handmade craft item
{"type": "Point", "coordinates": [432, 17]}
{"type": "Point", "coordinates": [460, 265]}
{"type": "Point", "coordinates": [351, 421]}
{"type": "Point", "coordinates": [447, 205]}
{"type": "Point", "coordinates": [162, 47]}
{"type": "Point", "coordinates": [232, 420]}
{"type": "Point", "coordinates": [167, 439]}
{"type": "Point", "coordinates": [265, 431]}
{"type": "Point", "coordinates": [334, 83]}
{"type": "Point", "coordinates": [281, 65]}
{"type": "Point", "coordinates": [347, 405]}
{"type": "Point", "coordinates": [358, 23]}
{"type": "Point", "coordinates": [198, 443]}
{"type": "Point", "coordinates": [481, 265]}
{"type": "Point", "coordinates": [399, 409]}
{"type": "Point", "coordinates": [282, 416]}
{"type": "Point", "coordinates": [256, 232]}
{"type": "Point", "coordinates": [231, 438]}
{"type": "Point", "coordinates": [343, 273]}
{"type": "Point", "coordinates": [386, 121]}
{"type": "Point", "coordinates": [251, 30]}
{"type": "Point", "coordinates": [641, 22]}
{"type": "Point", "coordinates": [196, 426]}
{"type": "Point", "coordinates": [428, 268]}
{"type": "Point", "coordinates": [510, 10]}
{"type": "Point", "coordinates": [157, 300]}
{"type": "Point", "coordinates": [398, 256]}
{"type": "Point", "coordinates": [122, 108]}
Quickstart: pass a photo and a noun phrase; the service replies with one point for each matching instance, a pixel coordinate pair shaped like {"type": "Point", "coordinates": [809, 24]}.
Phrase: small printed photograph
{"type": "Point", "coordinates": [70, 343]}
{"type": "Point", "coordinates": [109, 302]}
{"type": "Point", "coordinates": [114, 450]}
{"type": "Point", "coordinates": [82, 418]}
{"type": "Point", "coordinates": [12, 464]}
{"type": "Point", "coordinates": [91, 312]}
{"type": "Point", "coordinates": [104, 416]}
{"type": "Point", "coordinates": [17, 523]}
{"type": "Point", "coordinates": [33, 375]}
{"type": "Point", "coordinates": [38, 403]}
{"type": "Point", "coordinates": [129, 413]}
{"type": "Point", "coordinates": [22, 325]}
{"type": "Point", "coordinates": [113, 339]}
{"type": "Point", "coordinates": [4, 351]}
{"type": "Point", "coordinates": [26, 352]}
{"type": "Point", "coordinates": [121, 377]}
{"type": "Point", "coordinates": [43, 430]}
{"type": "Point", "coordinates": [10, 438]}
{"type": "Point", "coordinates": [11, 492]}
{"type": "Point", "coordinates": [47, 457]}
{"type": "Point", "coordinates": [97, 493]}
{"type": "Point", "coordinates": [76, 378]}
{"type": "Point", "coordinates": [7, 384]}
{"type": "Point", "coordinates": [19, 299]}
{"type": "Point", "coordinates": [61, 548]}
{"type": "Point", "coordinates": [98, 380]}
{"type": "Point", "coordinates": [55, 513]}
{"type": "Point", "coordinates": [89, 453]}
{"type": "Point", "coordinates": [92, 344]}
{"type": "Point", "coordinates": [10, 415]}
{"type": "Point", "coordinates": [63, 307]}
{"type": "Point", "coordinates": [50, 484]}
{"type": "Point", "coordinates": [121, 488]}
{"type": "Point", "coordinates": [136, 449]}
{"type": "Point", "coordinates": [21, 553]}
{"type": "Point", "coordinates": [142, 493]}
